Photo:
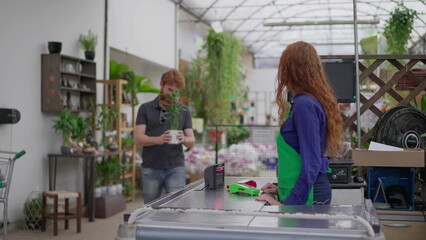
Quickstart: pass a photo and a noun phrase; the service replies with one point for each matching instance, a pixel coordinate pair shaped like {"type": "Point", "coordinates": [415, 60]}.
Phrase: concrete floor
{"type": "Point", "coordinates": [100, 229]}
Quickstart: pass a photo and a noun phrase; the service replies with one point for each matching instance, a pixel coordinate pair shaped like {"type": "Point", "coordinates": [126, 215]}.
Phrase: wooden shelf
{"type": "Point", "coordinates": [55, 70]}
{"type": "Point", "coordinates": [87, 75]}
{"type": "Point", "coordinates": [70, 73]}
{"type": "Point", "coordinates": [114, 89]}
{"type": "Point", "coordinates": [127, 175]}
{"type": "Point", "coordinates": [77, 90]}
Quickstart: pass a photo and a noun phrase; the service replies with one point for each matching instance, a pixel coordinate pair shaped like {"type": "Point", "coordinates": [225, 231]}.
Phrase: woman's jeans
{"type": "Point", "coordinates": [154, 179]}
{"type": "Point", "coordinates": [322, 190]}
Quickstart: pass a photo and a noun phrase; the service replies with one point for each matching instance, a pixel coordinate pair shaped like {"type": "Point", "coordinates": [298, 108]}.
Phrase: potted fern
{"type": "Point", "coordinates": [88, 43]}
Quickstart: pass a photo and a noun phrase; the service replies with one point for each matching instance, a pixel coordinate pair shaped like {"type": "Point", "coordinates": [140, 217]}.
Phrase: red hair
{"type": "Point", "coordinates": [173, 76]}
{"type": "Point", "coordinates": [302, 72]}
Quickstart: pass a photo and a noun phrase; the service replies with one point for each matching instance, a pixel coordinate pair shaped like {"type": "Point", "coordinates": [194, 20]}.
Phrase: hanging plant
{"type": "Point", "coordinates": [398, 29]}
{"type": "Point", "coordinates": [196, 76]}
{"type": "Point", "coordinates": [224, 76]}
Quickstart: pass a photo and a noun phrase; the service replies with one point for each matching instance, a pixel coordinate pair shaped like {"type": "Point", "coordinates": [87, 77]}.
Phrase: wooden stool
{"type": "Point", "coordinates": [56, 195]}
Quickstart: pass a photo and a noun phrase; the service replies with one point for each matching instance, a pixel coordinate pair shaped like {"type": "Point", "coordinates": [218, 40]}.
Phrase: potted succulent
{"type": "Point", "coordinates": [66, 123]}
{"type": "Point", "coordinates": [88, 43]}
{"type": "Point", "coordinates": [173, 114]}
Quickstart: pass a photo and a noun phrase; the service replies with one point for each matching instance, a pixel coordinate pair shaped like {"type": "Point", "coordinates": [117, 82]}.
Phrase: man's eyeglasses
{"type": "Point", "coordinates": [163, 116]}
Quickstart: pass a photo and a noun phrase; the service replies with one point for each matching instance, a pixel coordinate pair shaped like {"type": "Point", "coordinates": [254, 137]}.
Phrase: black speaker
{"type": "Point", "coordinates": [9, 116]}
{"type": "Point", "coordinates": [214, 176]}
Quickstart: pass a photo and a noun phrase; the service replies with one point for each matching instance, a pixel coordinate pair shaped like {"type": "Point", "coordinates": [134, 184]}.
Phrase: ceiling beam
{"type": "Point", "coordinates": [307, 23]}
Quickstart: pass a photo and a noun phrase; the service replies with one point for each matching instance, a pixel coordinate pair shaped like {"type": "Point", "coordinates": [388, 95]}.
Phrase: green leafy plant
{"type": "Point", "coordinates": [422, 105]}
{"type": "Point", "coordinates": [88, 42]}
{"type": "Point", "coordinates": [66, 124]}
{"type": "Point", "coordinates": [136, 84]}
{"type": "Point", "coordinates": [82, 128]}
{"type": "Point", "coordinates": [398, 29]}
{"type": "Point", "coordinates": [105, 120]}
{"type": "Point", "coordinates": [106, 117]}
{"type": "Point", "coordinates": [128, 189]}
{"type": "Point", "coordinates": [174, 108]}
{"type": "Point", "coordinates": [109, 170]}
{"type": "Point", "coordinates": [235, 135]}
{"type": "Point", "coordinates": [32, 212]}
{"type": "Point", "coordinates": [127, 142]}
{"type": "Point", "coordinates": [196, 76]}
{"type": "Point", "coordinates": [224, 77]}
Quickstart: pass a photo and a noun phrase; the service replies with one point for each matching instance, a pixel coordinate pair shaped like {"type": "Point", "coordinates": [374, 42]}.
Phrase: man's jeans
{"type": "Point", "coordinates": [154, 179]}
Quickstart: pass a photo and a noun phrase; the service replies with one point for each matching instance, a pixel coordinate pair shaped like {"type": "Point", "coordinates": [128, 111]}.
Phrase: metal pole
{"type": "Point", "coordinates": [358, 119]}
{"type": "Point", "coordinates": [177, 6]}
{"type": "Point", "coordinates": [216, 150]}
{"type": "Point", "coordinates": [105, 39]}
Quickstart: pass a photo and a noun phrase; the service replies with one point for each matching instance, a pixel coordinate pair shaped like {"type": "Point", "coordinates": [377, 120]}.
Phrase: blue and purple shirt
{"type": "Point", "coordinates": [305, 131]}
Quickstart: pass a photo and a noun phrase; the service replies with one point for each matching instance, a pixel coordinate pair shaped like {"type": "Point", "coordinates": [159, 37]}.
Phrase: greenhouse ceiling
{"type": "Point", "coordinates": [266, 27]}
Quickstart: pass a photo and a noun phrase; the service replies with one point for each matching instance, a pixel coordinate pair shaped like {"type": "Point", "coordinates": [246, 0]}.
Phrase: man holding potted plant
{"type": "Point", "coordinates": [163, 163]}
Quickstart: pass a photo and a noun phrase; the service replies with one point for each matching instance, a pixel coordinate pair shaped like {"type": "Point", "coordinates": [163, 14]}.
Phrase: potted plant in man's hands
{"type": "Point", "coordinates": [88, 43]}
{"type": "Point", "coordinates": [66, 123]}
{"type": "Point", "coordinates": [173, 114]}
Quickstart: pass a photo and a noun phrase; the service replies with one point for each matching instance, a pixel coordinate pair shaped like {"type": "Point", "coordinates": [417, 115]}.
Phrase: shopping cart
{"type": "Point", "coordinates": [6, 170]}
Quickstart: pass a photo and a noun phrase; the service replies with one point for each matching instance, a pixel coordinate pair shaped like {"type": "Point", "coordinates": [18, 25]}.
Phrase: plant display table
{"type": "Point", "coordinates": [89, 174]}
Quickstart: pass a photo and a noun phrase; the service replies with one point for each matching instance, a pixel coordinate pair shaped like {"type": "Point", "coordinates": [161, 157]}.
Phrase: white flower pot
{"type": "Point", "coordinates": [104, 191]}
{"type": "Point", "coordinates": [174, 134]}
{"type": "Point", "coordinates": [119, 188]}
{"type": "Point", "coordinates": [98, 192]}
{"type": "Point", "coordinates": [112, 190]}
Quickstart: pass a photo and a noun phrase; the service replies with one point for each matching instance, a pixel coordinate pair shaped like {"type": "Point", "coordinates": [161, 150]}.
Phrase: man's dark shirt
{"type": "Point", "coordinates": [162, 156]}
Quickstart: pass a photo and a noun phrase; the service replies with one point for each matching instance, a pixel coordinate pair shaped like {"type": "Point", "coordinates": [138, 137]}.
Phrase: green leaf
{"type": "Point", "coordinates": [115, 69]}
{"type": "Point", "coordinates": [145, 85]}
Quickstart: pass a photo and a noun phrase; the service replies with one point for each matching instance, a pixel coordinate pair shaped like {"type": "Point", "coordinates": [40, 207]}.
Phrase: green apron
{"type": "Point", "coordinates": [289, 167]}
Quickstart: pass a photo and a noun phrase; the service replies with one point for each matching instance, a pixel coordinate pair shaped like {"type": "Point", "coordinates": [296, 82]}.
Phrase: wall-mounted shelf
{"type": "Point", "coordinates": [67, 82]}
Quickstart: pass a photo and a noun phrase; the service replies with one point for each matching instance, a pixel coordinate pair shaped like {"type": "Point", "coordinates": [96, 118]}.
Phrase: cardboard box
{"type": "Point", "coordinates": [410, 157]}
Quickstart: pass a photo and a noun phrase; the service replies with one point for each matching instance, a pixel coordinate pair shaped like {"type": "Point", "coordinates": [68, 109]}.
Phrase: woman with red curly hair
{"type": "Point", "coordinates": [312, 131]}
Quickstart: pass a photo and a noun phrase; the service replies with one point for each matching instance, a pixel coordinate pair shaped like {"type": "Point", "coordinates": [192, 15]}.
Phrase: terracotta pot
{"type": "Point", "coordinates": [215, 136]}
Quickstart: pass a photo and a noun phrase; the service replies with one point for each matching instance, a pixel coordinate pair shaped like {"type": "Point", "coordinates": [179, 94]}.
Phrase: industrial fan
{"type": "Point", "coordinates": [401, 126]}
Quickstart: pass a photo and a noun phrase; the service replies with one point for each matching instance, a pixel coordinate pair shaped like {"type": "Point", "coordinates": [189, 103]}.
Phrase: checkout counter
{"type": "Point", "coordinates": [198, 213]}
